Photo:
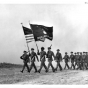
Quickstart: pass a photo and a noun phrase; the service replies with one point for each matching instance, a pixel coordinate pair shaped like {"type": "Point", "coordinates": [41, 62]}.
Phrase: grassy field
{"type": "Point", "coordinates": [12, 75]}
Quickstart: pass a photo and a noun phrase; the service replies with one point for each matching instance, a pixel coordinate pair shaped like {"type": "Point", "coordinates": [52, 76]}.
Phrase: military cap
{"type": "Point", "coordinates": [74, 53]}
{"type": "Point", "coordinates": [80, 52]}
{"type": "Point", "coordinates": [32, 48]}
{"type": "Point", "coordinates": [65, 52]}
{"type": "Point", "coordinates": [42, 48]}
{"type": "Point", "coordinates": [83, 52]}
{"type": "Point", "coordinates": [25, 51]}
{"type": "Point", "coordinates": [58, 50]}
{"type": "Point", "coordinates": [49, 47]}
{"type": "Point", "coordinates": [71, 52]}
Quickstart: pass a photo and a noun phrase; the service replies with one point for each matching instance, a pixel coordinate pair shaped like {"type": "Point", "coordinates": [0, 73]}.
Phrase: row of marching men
{"type": "Point", "coordinates": [78, 61]}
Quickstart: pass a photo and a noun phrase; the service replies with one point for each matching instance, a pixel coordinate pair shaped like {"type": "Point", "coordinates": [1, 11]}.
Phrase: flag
{"type": "Point", "coordinates": [28, 34]}
{"type": "Point", "coordinates": [41, 32]}
{"type": "Point", "coordinates": [48, 32]}
{"type": "Point", "coordinates": [38, 32]}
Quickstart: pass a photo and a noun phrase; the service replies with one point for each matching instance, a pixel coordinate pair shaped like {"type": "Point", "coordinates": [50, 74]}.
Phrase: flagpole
{"type": "Point", "coordinates": [26, 40]}
{"type": "Point", "coordinates": [35, 41]}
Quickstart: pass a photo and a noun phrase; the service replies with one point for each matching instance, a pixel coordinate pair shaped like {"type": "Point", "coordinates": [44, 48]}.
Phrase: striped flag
{"type": "Point", "coordinates": [28, 34]}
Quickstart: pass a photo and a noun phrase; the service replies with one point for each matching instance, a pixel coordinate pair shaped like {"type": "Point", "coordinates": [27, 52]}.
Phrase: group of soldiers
{"type": "Point", "coordinates": [78, 60]}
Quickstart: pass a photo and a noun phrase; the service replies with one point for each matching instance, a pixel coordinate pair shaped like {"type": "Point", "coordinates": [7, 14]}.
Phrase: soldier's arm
{"type": "Point", "coordinates": [68, 58]}
{"type": "Point", "coordinates": [60, 57]}
{"type": "Point", "coordinates": [53, 55]}
{"type": "Point", "coordinates": [21, 57]}
{"type": "Point", "coordinates": [47, 55]}
{"type": "Point", "coordinates": [38, 53]}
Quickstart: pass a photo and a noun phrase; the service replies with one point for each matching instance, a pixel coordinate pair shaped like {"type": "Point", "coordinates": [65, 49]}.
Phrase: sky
{"type": "Point", "coordinates": [69, 21]}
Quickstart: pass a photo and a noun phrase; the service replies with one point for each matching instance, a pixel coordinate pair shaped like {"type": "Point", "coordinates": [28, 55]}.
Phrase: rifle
{"type": "Point", "coordinates": [42, 58]}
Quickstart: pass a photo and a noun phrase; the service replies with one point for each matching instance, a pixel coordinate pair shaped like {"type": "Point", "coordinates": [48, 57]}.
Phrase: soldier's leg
{"type": "Point", "coordinates": [56, 66]}
{"type": "Point", "coordinates": [23, 68]}
{"type": "Point", "coordinates": [40, 67]}
{"type": "Point", "coordinates": [67, 65]}
{"type": "Point", "coordinates": [73, 65]}
{"type": "Point", "coordinates": [48, 65]}
{"type": "Point", "coordinates": [31, 66]}
{"type": "Point", "coordinates": [27, 67]}
{"type": "Point", "coordinates": [35, 67]}
{"type": "Point", "coordinates": [45, 67]}
{"type": "Point", "coordinates": [52, 67]}
{"type": "Point", "coordinates": [60, 66]}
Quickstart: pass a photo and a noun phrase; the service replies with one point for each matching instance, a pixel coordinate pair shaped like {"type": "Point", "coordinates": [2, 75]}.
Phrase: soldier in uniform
{"type": "Point", "coordinates": [72, 57]}
{"type": "Point", "coordinates": [50, 59]}
{"type": "Point", "coordinates": [83, 61]}
{"type": "Point", "coordinates": [75, 59]}
{"type": "Point", "coordinates": [66, 59]}
{"type": "Point", "coordinates": [80, 61]}
{"type": "Point", "coordinates": [86, 60]}
{"type": "Point", "coordinates": [25, 58]}
{"type": "Point", "coordinates": [58, 59]}
{"type": "Point", "coordinates": [33, 55]}
{"type": "Point", "coordinates": [42, 59]}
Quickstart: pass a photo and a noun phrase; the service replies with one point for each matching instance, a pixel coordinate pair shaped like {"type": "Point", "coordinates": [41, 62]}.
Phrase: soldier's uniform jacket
{"type": "Point", "coordinates": [86, 59]}
{"type": "Point", "coordinates": [66, 58]}
{"type": "Point", "coordinates": [49, 55]}
{"type": "Point", "coordinates": [25, 58]}
{"type": "Point", "coordinates": [78, 58]}
{"type": "Point", "coordinates": [42, 55]}
{"type": "Point", "coordinates": [32, 55]}
{"type": "Point", "coordinates": [83, 58]}
{"type": "Point", "coordinates": [58, 57]}
{"type": "Point", "coordinates": [72, 58]}
{"type": "Point", "coordinates": [75, 56]}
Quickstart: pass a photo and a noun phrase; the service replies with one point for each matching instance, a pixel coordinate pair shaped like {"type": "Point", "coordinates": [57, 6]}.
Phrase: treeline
{"type": "Point", "coordinates": [9, 65]}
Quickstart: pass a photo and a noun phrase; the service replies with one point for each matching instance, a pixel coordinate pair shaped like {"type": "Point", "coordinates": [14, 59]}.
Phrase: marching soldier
{"type": "Point", "coordinates": [80, 61]}
{"type": "Point", "coordinates": [50, 59]}
{"type": "Point", "coordinates": [25, 59]}
{"type": "Point", "coordinates": [72, 60]}
{"type": "Point", "coordinates": [33, 55]}
{"type": "Point", "coordinates": [42, 59]}
{"type": "Point", "coordinates": [58, 59]}
{"type": "Point", "coordinates": [83, 61]}
{"type": "Point", "coordinates": [75, 59]}
{"type": "Point", "coordinates": [86, 60]}
{"type": "Point", "coordinates": [66, 59]}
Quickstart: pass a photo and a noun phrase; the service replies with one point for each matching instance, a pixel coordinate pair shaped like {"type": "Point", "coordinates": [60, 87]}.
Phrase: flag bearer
{"type": "Point", "coordinates": [25, 58]}
{"type": "Point", "coordinates": [33, 56]}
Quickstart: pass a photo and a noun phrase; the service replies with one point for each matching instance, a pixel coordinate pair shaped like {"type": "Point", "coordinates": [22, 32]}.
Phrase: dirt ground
{"type": "Point", "coordinates": [65, 77]}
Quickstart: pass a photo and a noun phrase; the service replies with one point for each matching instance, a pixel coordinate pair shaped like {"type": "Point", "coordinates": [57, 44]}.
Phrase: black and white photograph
{"type": "Point", "coordinates": [44, 44]}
